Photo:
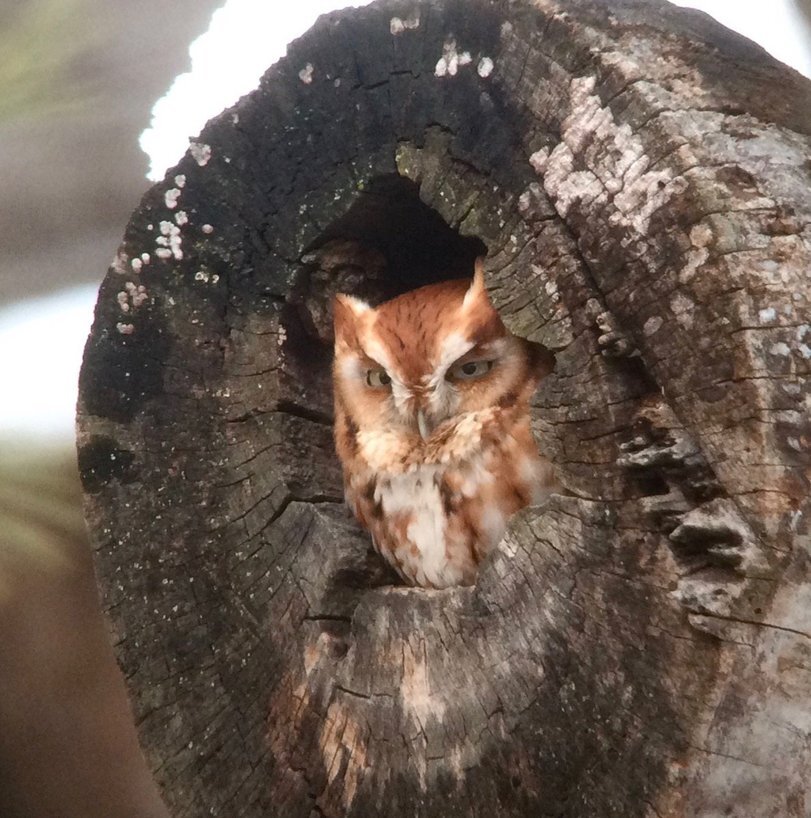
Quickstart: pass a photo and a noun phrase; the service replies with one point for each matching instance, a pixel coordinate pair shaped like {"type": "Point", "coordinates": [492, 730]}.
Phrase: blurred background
{"type": "Point", "coordinates": [96, 98]}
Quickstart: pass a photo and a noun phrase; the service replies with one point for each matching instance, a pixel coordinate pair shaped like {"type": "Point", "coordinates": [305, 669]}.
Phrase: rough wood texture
{"type": "Point", "coordinates": [641, 647]}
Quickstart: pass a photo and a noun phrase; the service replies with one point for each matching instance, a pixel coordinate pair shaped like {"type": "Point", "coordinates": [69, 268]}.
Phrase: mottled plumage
{"type": "Point", "coordinates": [432, 426]}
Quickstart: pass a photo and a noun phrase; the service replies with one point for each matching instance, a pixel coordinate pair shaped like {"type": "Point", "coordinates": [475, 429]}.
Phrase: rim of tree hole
{"type": "Point", "coordinates": [638, 178]}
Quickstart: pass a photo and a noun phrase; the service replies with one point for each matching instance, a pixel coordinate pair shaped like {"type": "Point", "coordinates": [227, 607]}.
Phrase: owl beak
{"type": "Point", "coordinates": [423, 425]}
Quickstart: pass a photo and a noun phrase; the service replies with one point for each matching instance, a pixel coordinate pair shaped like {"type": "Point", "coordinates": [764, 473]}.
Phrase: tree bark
{"type": "Point", "coordinates": [639, 177]}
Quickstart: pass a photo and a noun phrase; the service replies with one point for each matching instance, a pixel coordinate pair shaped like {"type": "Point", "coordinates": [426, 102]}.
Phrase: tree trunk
{"type": "Point", "coordinates": [641, 646]}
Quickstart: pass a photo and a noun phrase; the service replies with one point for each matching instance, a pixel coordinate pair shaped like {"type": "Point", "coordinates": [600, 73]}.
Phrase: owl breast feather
{"type": "Point", "coordinates": [435, 521]}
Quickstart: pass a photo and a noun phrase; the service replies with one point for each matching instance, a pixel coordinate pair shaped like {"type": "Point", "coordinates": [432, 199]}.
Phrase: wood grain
{"type": "Point", "coordinates": [640, 179]}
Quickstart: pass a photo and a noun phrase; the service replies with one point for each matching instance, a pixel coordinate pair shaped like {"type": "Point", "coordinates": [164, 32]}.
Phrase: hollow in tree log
{"type": "Point", "coordinates": [638, 177]}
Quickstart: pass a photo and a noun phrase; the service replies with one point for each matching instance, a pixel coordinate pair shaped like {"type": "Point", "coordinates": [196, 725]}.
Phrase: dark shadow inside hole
{"type": "Point", "coordinates": [416, 244]}
{"type": "Point", "coordinates": [652, 485]}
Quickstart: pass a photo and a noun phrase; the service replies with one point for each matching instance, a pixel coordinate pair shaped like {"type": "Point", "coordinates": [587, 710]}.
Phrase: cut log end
{"type": "Point", "coordinates": [635, 647]}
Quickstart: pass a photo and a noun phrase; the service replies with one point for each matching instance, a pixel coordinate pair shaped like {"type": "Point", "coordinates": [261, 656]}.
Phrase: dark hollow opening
{"type": "Point", "coordinates": [412, 243]}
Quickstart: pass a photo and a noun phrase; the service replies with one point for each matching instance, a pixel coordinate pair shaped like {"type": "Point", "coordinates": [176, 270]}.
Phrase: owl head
{"type": "Point", "coordinates": [430, 356]}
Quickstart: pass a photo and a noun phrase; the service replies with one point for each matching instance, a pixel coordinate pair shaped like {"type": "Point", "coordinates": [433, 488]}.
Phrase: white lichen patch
{"type": "Point", "coordinates": [767, 315]}
{"type": "Point", "coordinates": [136, 265]}
{"type": "Point", "coordinates": [701, 235]}
{"type": "Point", "coordinates": [398, 25]}
{"type": "Point", "coordinates": [181, 218]}
{"type": "Point", "coordinates": [626, 69]}
{"type": "Point", "coordinates": [451, 60]}
{"type": "Point", "coordinates": [306, 73]}
{"type": "Point", "coordinates": [615, 168]}
{"type": "Point", "coordinates": [485, 67]}
{"type": "Point", "coordinates": [169, 240]}
{"type": "Point", "coordinates": [171, 196]}
{"type": "Point", "coordinates": [551, 287]}
{"type": "Point", "coordinates": [206, 277]}
{"type": "Point", "coordinates": [207, 229]}
{"type": "Point", "coordinates": [137, 293]}
{"type": "Point", "coordinates": [200, 152]}
{"type": "Point", "coordinates": [538, 160]}
{"type": "Point", "coordinates": [180, 180]}
{"type": "Point", "coordinates": [125, 329]}
{"type": "Point", "coordinates": [695, 259]}
{"type": "Point", "coordinates": [652, 325]}
{"type": "Point", "coordinates": [146, 258]}
{"type": "Point", "coordinates": [120, 263]}
{"type": "Point", "coordinates": [683, 307]}
{"type": "Point", "coordinates": [781, 349]}
{"type": "Point", "coordinates": [131, 298]}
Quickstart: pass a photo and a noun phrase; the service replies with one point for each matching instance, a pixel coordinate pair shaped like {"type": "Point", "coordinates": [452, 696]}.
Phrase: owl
{"type": "Point", "coordinates": [432, 426]}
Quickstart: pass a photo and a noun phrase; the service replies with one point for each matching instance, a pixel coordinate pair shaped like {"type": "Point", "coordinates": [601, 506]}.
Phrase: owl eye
{"type": "Point", "coordinates": [469, 370]}
{"type": "Point", "coordinates": [378, 378]}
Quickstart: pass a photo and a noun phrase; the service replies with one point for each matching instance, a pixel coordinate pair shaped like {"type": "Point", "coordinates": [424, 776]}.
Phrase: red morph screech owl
{"type": "Point", "coordinates": [432, 426]}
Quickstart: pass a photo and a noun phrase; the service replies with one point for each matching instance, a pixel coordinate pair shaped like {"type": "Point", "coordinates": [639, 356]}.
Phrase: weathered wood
{"type": "Point", "coordinates": [640, 179]}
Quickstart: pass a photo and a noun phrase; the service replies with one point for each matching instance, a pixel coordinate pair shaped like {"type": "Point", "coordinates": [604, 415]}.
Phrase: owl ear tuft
{"type": "Point", "coordinates": [477, 292]}
{"type": "Point", "coordinates": [346, 310]}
